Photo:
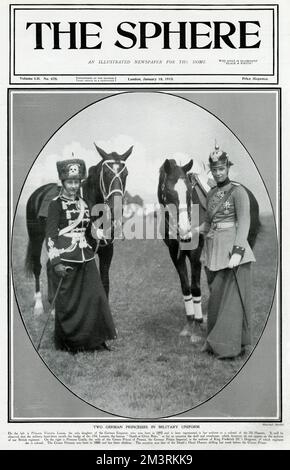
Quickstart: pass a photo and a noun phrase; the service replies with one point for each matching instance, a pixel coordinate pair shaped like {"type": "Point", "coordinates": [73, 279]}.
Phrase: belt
{"type": "Point", "coordinates": [77, 237]}
{"type": "Point", "coordinates": [74, 234]}
{"type": "Point", "coordinates": [217, 225]}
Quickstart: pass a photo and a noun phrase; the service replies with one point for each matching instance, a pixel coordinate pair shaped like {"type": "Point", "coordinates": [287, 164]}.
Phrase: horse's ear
{"type": "Point", "coordinates": [127, 154]}
{"type": "Point", "coordinates": [102, 152]}
{"type": "Point", "coordinates": [186, 168]}
{"type": "Point", "coordinates": [167, 166]}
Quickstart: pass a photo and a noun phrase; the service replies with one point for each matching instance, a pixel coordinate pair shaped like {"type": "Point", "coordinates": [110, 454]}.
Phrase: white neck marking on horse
{"type": "Point", "coordinates": [184, 223]}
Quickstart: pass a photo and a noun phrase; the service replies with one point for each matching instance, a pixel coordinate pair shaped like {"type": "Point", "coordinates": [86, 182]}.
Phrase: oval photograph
{"type": "Point", "coordinates": [144, 254]}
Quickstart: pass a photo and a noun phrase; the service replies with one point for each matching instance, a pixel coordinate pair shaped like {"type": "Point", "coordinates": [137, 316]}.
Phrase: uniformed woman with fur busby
{"type": "Point", "coordinates": [83, 321]}
{"type": "Point", "coordinates": [227, 257]}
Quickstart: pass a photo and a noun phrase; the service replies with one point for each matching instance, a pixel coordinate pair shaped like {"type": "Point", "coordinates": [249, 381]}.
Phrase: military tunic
{"type": "Point", "coordinates": [227, 226]}
{"type": "Point", "coordinates": [67, 231]}
{"type": "Point", "coordinates": [226, 230]}
{"type": "Point", "coordinates": [83, 320]}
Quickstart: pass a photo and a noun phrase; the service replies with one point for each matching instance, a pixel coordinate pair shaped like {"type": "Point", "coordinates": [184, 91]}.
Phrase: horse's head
{"type": "Point", "coordinates": [175, 190]}
{"type": "Point", "coordinates": [112, 182]}
{"type": "Point", "coordinates": [113, 174]}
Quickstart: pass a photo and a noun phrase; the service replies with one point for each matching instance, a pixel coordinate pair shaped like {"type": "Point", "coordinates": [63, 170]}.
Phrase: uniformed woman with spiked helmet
{"type": "Point", "coordinates": [83, 320]}
{"type": "Point", "coordinates": [227, 258]}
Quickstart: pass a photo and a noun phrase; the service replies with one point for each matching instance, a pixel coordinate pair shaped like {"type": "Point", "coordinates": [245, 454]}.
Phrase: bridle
{"type": "Point", "coordinates": [117, 176]}
{"type": "Point", "coordinates": [174, 230]}
{"type": "Point", "coordinates": [107, 194]}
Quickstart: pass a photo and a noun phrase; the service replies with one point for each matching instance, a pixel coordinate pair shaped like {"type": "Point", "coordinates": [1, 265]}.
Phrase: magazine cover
{"type": "Point", "coordinates": [144, 149]}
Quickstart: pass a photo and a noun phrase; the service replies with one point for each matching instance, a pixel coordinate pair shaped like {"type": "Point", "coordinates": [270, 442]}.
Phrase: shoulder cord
{"type": "Point", "coordinates": [76, 222]}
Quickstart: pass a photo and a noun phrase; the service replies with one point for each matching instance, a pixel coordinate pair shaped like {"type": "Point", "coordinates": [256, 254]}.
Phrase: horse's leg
{"type": "Point", "coordinates": [179, 261]}
{"type": "Point", "coordinates": [195, 263]}
{"type": "Point", "coordinates": [36, 254]}
{"type": "Point", "coordinates": [195, 280]}
{"type": "Point", "coordinates": [105, 256]}
{"type": "Point", "coordinates": [36, 233]}
{"type": "Point", "coordinates": [50, 286]}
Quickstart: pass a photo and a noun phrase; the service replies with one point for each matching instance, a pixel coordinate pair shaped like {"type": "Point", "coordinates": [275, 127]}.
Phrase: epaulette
{"type": "Point", "coordinates": [212, 187]}
{"type": "Point", "coordinates": [235, 183]}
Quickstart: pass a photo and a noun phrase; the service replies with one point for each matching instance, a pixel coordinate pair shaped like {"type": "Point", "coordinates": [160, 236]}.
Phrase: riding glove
{"type": "Point", "coordinates": [60, 270]}
{"type": "Point", "coordinates": [234, 260]}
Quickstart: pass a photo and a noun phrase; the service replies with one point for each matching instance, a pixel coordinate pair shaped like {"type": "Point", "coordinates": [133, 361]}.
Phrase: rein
{"type": "Point", "coordinates": [195, 184]}
{"type": "Point", "coordinates": [173, 229]}
{"type": "Point", "coordinates": [106, 195]}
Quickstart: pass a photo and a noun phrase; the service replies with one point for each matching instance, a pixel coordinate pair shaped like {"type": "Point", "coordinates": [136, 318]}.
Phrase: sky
{"type": "Point", "coordinates": [159, 126]}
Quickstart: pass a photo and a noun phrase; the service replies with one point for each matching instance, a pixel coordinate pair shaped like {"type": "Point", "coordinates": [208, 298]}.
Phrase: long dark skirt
{"type": "Point", "coordinates": [228, 320]}
{"type": "Point", "coordinates": [83, 321]}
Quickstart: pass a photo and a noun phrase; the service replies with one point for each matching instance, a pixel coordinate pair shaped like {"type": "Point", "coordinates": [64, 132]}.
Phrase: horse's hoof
{"type": "Point", "coordinates": [38, 306]}
{"type": "Point", "coordinates": [194, 339]}
{"type": "Point", "coordinates": [37, 311]}
{"type": "Point", "coordinates": [185, 331]}
{"type": "Point", "coordinates": [200, 329]}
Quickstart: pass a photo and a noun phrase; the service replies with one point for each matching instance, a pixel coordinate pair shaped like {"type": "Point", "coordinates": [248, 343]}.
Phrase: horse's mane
{"type": "Point", "coordinates": [160, 183]}
{"type": "Point", "coordinates": [162, 178]}
{"type": "Point", "coordinates": [91, 185]}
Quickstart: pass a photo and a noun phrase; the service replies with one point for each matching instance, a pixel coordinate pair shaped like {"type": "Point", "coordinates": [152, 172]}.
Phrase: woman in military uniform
{"type": "Point", "coordinates": [227, 258]}
{"type": "Point", "coordinates": [83, 320]}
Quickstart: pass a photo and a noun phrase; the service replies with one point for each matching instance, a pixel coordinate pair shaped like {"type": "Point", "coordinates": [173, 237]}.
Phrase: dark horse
{"type": "Point", "coordinates": [105, 184]}
{"type": "Point", "coordinates": [177, 188]}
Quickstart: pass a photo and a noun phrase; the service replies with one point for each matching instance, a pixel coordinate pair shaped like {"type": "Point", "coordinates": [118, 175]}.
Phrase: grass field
{"type": "Point", "coordinates": [151, 372]}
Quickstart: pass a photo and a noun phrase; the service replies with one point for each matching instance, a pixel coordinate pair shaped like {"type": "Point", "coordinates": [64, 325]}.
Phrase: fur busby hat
{"type": "Point", "coordinates": [74, 168]}
{"type": "Point", "coordinates": [218, 157]}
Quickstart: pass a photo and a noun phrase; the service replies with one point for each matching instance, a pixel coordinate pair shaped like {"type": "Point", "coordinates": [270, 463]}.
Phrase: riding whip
{"type": "Point", "coordinates": [49, 313]}
{"type": "Point", "coordinates": [240, 294]}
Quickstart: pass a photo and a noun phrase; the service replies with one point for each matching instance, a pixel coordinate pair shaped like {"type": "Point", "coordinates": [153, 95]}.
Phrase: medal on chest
{"type": "Point", "coordinates": [226, 207]}
{"type": "Point", "coordinates": [215, 200]}
{"type": "Point", "coordinates": [220, 194]}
